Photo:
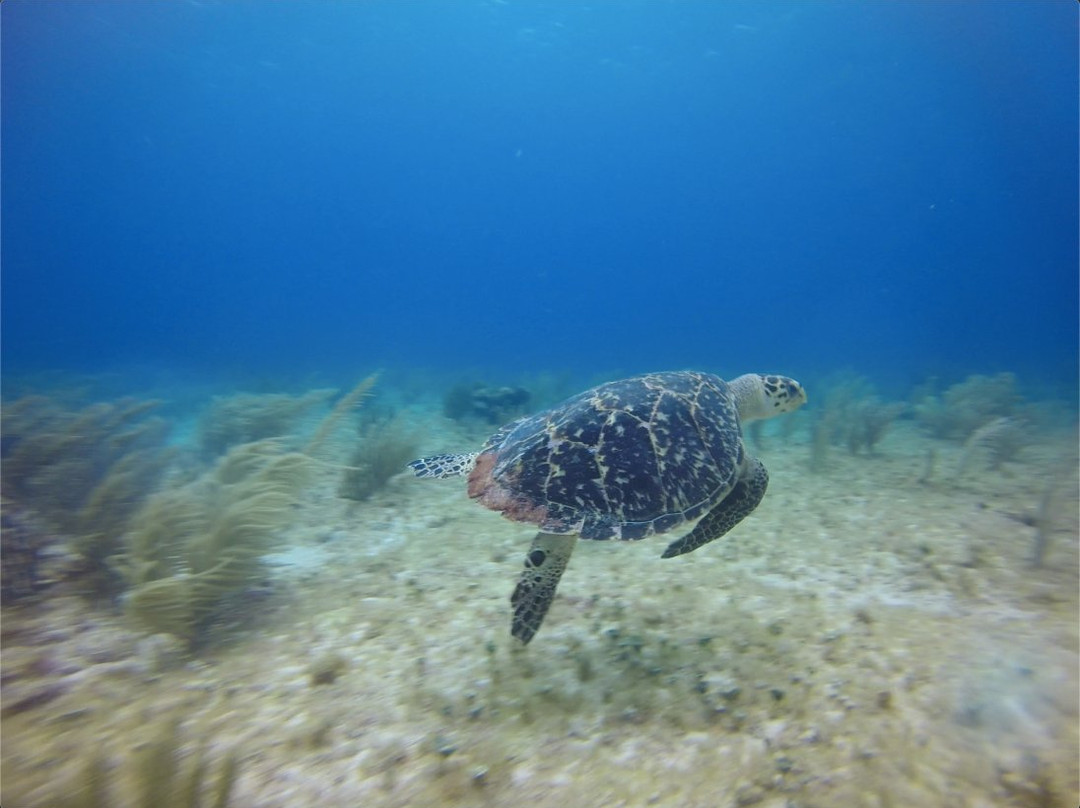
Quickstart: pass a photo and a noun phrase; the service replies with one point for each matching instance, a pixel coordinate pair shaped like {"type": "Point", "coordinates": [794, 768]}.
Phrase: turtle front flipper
{"type": "Point", "coordinates": [744, 497]}
{"type": "Point", "coordinates": [544, 566]}
{"type": "Point", "coordinates": [444, 465]}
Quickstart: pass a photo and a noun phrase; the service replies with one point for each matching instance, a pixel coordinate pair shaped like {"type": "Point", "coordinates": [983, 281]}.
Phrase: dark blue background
{"type": "Point", "coordinates": [541, 185]}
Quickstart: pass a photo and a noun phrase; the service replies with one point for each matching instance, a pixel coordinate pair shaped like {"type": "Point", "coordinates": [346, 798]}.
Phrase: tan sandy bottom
{"type": "Point", "coordinates": [862, 640]}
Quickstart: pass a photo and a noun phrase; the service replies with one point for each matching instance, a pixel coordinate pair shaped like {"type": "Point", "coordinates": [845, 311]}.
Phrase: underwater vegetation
{"type": "Point", "coordinates": [190, 546]}
{"type": "Point", "coordinates": [987, 414]}
{"type": "Point", "coordinates": [1062, 482]}
{"type": "Point", "coordinates": [999, 441]}
{"type": "Point", "coordinates": [82, 474]}
{"type": "Point", "coordinates": [89, 480]}
{"type": "Point", "coordinates": [852, 416]}
{"type": "Point", "coordinates": [24, 546]}
{"type": "Point", "coordinates": [491, 405]}
{"type": "Point", "coordinates": [870, 420]}
{"type": "Point", "coordinates": [967, 405]}
{"type": "Point", "coordinates": [159, 778]}
{"type": "Point", "coordinates": [247, 417]}
{"type": "Point", "coordinates": [346, 404]}
{"type": "Point", "coordinates": [385, 447]}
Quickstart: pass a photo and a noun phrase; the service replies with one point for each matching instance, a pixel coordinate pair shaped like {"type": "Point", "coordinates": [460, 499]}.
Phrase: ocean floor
{"type": "Point", "coordinates": [867, 638]}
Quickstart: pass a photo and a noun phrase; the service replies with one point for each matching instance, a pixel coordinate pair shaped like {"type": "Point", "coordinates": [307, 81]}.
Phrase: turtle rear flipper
{"type": "Point", "coordinates": [731, 510]}
{"type": "Point", "coordinates": [444, 465]}
{"type": "Point", "coordinates": [544, 566]}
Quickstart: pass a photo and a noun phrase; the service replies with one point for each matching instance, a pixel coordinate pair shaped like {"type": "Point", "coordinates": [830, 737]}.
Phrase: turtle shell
{"type": "Point", "coordinates": [624, 460]}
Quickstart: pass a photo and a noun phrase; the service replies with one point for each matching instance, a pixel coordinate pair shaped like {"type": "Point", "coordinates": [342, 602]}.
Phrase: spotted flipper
{"type": "Point", "coordinates": [444, 465]}
{"type": "Point", "coordinates": [744, 497]}
{"type": "Point", "coordinates": [544, 566]}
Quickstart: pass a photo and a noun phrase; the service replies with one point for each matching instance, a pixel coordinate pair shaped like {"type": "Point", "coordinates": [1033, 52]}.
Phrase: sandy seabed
{"type": "Point", "coordinates": [863, 639]}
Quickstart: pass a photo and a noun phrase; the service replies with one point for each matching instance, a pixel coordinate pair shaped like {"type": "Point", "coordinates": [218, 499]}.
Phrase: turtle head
{"type": "Point", "coordinates": [763, 395]}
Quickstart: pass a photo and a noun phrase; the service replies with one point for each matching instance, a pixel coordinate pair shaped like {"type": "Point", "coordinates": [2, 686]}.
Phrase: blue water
{"type": "Point", "coordinates": [528, 186]}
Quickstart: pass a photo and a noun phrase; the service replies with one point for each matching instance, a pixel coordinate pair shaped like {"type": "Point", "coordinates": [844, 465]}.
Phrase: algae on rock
{"type": "Point", "coordinates": [189, 547]}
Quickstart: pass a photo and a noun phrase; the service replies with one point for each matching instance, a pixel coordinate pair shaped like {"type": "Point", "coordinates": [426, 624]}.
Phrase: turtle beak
{"type": "Point", "coordinates": [797, 393]}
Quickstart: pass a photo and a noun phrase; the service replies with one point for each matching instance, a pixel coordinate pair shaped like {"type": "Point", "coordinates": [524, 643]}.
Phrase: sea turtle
{"type": "Point", "coordinates": [623, 460]}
